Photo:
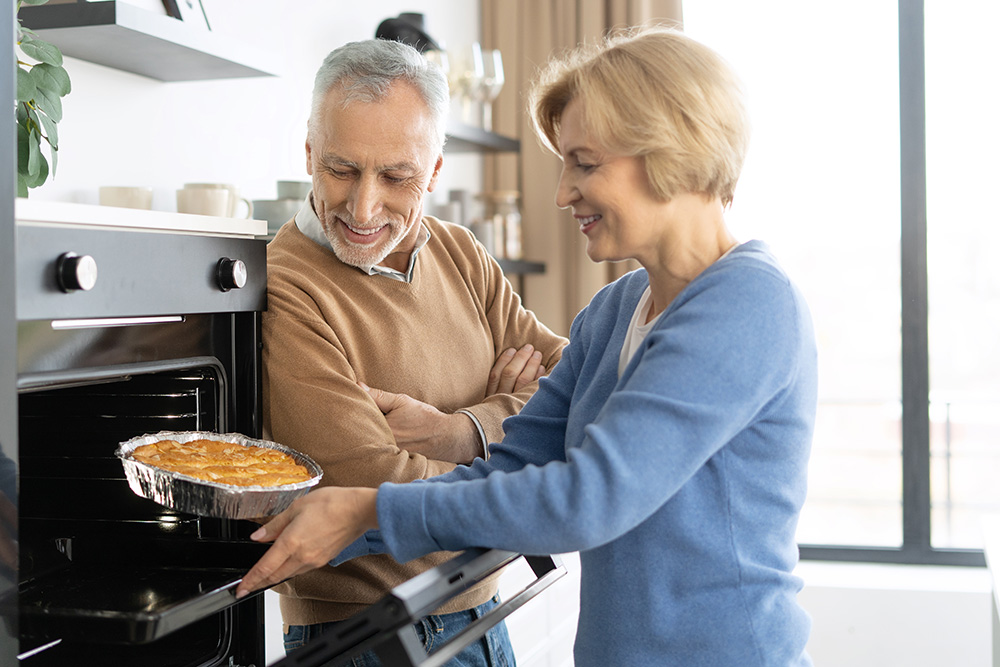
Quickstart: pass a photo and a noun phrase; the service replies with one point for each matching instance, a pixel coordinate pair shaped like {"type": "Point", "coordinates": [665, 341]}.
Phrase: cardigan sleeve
{"type": "Point", "coordinates": [712, 363]}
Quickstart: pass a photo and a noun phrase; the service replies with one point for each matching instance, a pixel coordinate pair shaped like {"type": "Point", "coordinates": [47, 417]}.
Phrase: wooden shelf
{"type": "Point", "coordinates": [464, 138]}
{"type": "Point", "coordinates": [131, 39]}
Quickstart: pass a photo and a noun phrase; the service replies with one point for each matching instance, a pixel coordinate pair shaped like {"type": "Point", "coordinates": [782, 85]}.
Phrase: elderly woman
{"type": "Point", "coordinates": [669, 446]}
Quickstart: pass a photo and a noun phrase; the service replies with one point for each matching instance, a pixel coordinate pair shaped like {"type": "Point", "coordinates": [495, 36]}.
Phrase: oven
{"type": "Point", "coordinates": [130, 322]}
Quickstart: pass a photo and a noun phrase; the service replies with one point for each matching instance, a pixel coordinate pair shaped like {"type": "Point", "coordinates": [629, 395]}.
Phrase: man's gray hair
{"type": "Point", "coordinates": [368, 68]}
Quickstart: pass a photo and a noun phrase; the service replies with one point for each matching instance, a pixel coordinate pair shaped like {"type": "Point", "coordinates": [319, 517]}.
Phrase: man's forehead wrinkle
{"type": "Point", "coordinates": [403, 165]}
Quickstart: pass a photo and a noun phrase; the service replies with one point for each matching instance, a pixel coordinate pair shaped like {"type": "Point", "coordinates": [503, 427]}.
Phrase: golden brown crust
{"type": "Point", "coordinates": [223, 462]}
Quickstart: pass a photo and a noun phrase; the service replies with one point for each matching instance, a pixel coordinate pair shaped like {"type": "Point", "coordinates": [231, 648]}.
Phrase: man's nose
{"type": "Point", "coordinates": [366, 200]}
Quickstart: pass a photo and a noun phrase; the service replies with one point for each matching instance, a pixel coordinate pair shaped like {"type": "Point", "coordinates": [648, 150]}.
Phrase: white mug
{"type": "Point", "coordinates": [204, 201]}
{"type": "Point", "coordinates": [126, 197]}
{"type": "Point", "coordinates": [234, 197]}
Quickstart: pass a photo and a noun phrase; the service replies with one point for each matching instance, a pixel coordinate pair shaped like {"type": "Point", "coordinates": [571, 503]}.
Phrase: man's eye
{"type": "Point", "coordinates": [394, 179]}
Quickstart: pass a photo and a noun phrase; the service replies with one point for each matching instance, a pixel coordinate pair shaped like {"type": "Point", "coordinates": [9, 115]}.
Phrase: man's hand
{"type": "Point", "coordinates": [423, 429]}
{"type": "Point", "coordinates": [307, 535]}
{"type": "Point", "coordinates": [514, 369]}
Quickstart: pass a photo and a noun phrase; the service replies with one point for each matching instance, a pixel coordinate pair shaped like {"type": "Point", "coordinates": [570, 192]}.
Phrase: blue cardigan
{"type": "Point", "coordinates": [679, 483]}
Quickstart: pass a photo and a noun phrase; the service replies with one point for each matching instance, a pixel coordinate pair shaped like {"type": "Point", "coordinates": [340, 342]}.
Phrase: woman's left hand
{"type": "Point", "coordinates": [309, 534]}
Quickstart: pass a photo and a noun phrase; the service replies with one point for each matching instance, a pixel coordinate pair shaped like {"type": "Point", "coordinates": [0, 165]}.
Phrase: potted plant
{"type": "Point", "coordinates": [41, 85]}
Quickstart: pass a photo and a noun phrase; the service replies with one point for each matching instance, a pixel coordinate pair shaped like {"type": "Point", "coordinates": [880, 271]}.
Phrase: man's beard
{"type": "Point", "coordinates": [358, 255]}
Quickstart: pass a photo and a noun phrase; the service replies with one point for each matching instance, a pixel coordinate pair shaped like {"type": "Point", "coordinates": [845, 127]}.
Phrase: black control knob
{"type": "Point", "coordinates": [231, 274]}
{"type": "Point", "coordinates": [75, 272]}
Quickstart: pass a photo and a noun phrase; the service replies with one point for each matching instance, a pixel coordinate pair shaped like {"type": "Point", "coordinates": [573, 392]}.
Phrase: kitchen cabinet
{"type": "Point", "coordinates": [125, 37]}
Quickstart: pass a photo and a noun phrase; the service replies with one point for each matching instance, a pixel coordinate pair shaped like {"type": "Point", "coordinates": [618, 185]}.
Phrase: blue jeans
{"type": "Point", "coordinates": [491, 650]}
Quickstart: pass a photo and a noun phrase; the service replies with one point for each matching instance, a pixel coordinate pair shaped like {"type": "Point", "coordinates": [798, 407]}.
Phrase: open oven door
{"type": "Point", "coordinates": [387, 626]}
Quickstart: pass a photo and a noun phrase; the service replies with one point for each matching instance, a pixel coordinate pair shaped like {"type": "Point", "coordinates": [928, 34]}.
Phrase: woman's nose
{"type": "Point", "coordinates": [566, 192]}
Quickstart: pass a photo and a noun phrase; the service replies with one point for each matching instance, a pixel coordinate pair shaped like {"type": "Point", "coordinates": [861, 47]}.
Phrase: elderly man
{"type": "Point", "coordinates": [393, 345]}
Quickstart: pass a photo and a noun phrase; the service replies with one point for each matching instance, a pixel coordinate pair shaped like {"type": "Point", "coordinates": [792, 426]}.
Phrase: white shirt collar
{"type": "Point", "coordinates": [308, 223]}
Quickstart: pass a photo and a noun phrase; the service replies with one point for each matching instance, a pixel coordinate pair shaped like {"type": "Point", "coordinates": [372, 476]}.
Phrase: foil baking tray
{"type": "Point", "coordinates": [205, 498]}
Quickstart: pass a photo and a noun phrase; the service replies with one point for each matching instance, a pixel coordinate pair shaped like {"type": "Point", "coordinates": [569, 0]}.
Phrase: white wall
{"type": "Point", "coordinates": [124, 129]}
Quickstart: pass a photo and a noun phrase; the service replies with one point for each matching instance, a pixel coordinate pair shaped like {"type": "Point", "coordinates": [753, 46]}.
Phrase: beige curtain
{"type": "Point", "coordinates": [528, 32]}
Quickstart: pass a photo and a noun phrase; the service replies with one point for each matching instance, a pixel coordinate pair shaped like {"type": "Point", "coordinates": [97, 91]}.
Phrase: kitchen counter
{"type": "Point", "coordinates": [57, 214]}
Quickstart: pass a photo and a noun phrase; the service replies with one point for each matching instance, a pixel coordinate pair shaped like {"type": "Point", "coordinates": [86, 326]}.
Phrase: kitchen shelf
{"type": "Point", "coordinates": [520, 266]}
{"type": "Point", "coordinates": [464, 138]}
{"type": "Point", "coordinates": [129, 38]}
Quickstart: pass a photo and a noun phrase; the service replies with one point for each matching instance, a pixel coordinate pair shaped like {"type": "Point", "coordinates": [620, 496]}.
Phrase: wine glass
{"type": "Point", "coordinates": [493, 81]}
{"type": "Point", "coordinates": [439, 58]}
{"type": "Point", "coordinates": [467, 77]}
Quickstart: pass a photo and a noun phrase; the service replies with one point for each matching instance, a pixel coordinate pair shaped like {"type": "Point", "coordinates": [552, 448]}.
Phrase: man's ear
{"type": "Point", "coordinates": [437, 172]}
{"type": "Point", "coordinates": [309, 162]}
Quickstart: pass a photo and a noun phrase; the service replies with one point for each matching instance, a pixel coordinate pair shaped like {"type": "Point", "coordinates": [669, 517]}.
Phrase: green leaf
{"type": "Point", "coordinates": [22, 150]}
{"type": "Point", "coordinates": [41, 50]}
{"type": "Point", "coordinates": [21, 115]}
{"type": "Point", "coordinates": [52, 78]}
{"type": "Point", "coordinates": [33, 2]}
{"type": "Point", "coordinates": [43, 174]}
{"type": "Point", "coordinates": [51, 133]}
{"type": "Point", "coordinates": [54, 153]}
{"type": "Point", "coordinates": [25, 85]}
{"type": "Point", "coordinates": [23, 33]}
{"type": "Point", "coordinates": [22, 186]}
{"type": "Point", "coordinates": [34, 154]}
{"type": "Point", "coordinates": [50, 103]}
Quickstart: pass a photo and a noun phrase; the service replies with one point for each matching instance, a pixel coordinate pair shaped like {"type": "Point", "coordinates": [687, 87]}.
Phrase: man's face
{"type": "Point", "coordinates": [371, 165]}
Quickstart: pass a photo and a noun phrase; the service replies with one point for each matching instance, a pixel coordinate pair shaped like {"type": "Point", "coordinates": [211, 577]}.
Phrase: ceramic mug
{"type": "Point", "coordinates": [298, 190]}
{"type": "Point", "coordinates": [233, 199]}
{"type": "Point", "coordinates": [126, 196]}
{"type": "Point", "coordinates": [204, 201]}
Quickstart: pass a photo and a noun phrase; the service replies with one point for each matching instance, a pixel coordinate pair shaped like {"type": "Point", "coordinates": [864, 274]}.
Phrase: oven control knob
{"type": "Point", "coordinates": [75, 272]}
{"type": "Point", "coordinates": [232, 274]}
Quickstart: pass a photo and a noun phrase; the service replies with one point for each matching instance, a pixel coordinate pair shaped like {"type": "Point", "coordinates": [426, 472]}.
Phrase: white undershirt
{"type": "Point", "coordinates": [637, 331]}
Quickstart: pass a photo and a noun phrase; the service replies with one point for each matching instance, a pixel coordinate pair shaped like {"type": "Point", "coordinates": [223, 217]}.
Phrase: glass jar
{"type": "Point", "coordinates": [506, 224]}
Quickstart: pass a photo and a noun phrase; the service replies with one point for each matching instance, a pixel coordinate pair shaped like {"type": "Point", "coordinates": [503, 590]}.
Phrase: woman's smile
{"type": "Point", "coordinates": [587, 222]}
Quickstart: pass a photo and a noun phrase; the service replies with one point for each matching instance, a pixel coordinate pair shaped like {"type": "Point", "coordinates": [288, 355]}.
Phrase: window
{"type": "Point", "coordinates": [905, 299]}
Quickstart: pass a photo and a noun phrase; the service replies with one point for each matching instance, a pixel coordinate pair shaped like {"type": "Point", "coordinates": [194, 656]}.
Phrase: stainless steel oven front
{"type": "Point", "coordinates": [122, 332]}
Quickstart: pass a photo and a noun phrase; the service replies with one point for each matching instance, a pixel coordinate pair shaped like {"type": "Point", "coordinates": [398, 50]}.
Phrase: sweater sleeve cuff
{"type": "Point", "coordinates": [483, 441]}
{"type": "Point", "coordinates": [369, 543]}
{"type": "Point", "coordinates": [402, 521]}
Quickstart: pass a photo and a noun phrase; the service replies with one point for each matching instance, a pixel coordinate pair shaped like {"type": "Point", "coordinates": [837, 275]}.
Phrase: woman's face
{"type": "Point", "coordinates": [609, 194]}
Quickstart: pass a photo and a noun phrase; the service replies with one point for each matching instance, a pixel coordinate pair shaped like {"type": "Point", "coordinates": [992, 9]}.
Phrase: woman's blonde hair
{"type": "Point", "coordinates": [655, 93]}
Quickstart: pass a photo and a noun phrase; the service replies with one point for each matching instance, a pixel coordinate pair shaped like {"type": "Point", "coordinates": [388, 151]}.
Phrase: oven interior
{"type": "Point", "coordinates": [108, 574]}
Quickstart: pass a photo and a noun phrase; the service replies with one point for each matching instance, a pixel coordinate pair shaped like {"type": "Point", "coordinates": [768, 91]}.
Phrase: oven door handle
{"type": "Point", "coordinates": [387, 626]}
{"type": "Point", "coordinates": [405, 650]}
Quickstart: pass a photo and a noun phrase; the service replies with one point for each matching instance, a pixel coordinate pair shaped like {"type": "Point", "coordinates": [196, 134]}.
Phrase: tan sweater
{"type": "Point", "coordinates": [329, 326]}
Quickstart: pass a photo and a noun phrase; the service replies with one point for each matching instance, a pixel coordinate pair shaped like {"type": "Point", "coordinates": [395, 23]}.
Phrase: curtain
{"type": "Point", "coordinates": [528, 32]}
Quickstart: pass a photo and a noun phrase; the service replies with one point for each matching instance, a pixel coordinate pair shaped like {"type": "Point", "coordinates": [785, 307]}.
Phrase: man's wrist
{"type": "Point", "coordinates": [481, 449]}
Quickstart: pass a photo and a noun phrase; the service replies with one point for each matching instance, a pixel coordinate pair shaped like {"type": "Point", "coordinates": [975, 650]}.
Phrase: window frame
{"type": "Point", "coordinates": [917, 547]}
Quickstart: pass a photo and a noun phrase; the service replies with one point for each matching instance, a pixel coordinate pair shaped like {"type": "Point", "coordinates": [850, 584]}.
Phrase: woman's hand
{"type": "Point", "coordinates": [308, 535]}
